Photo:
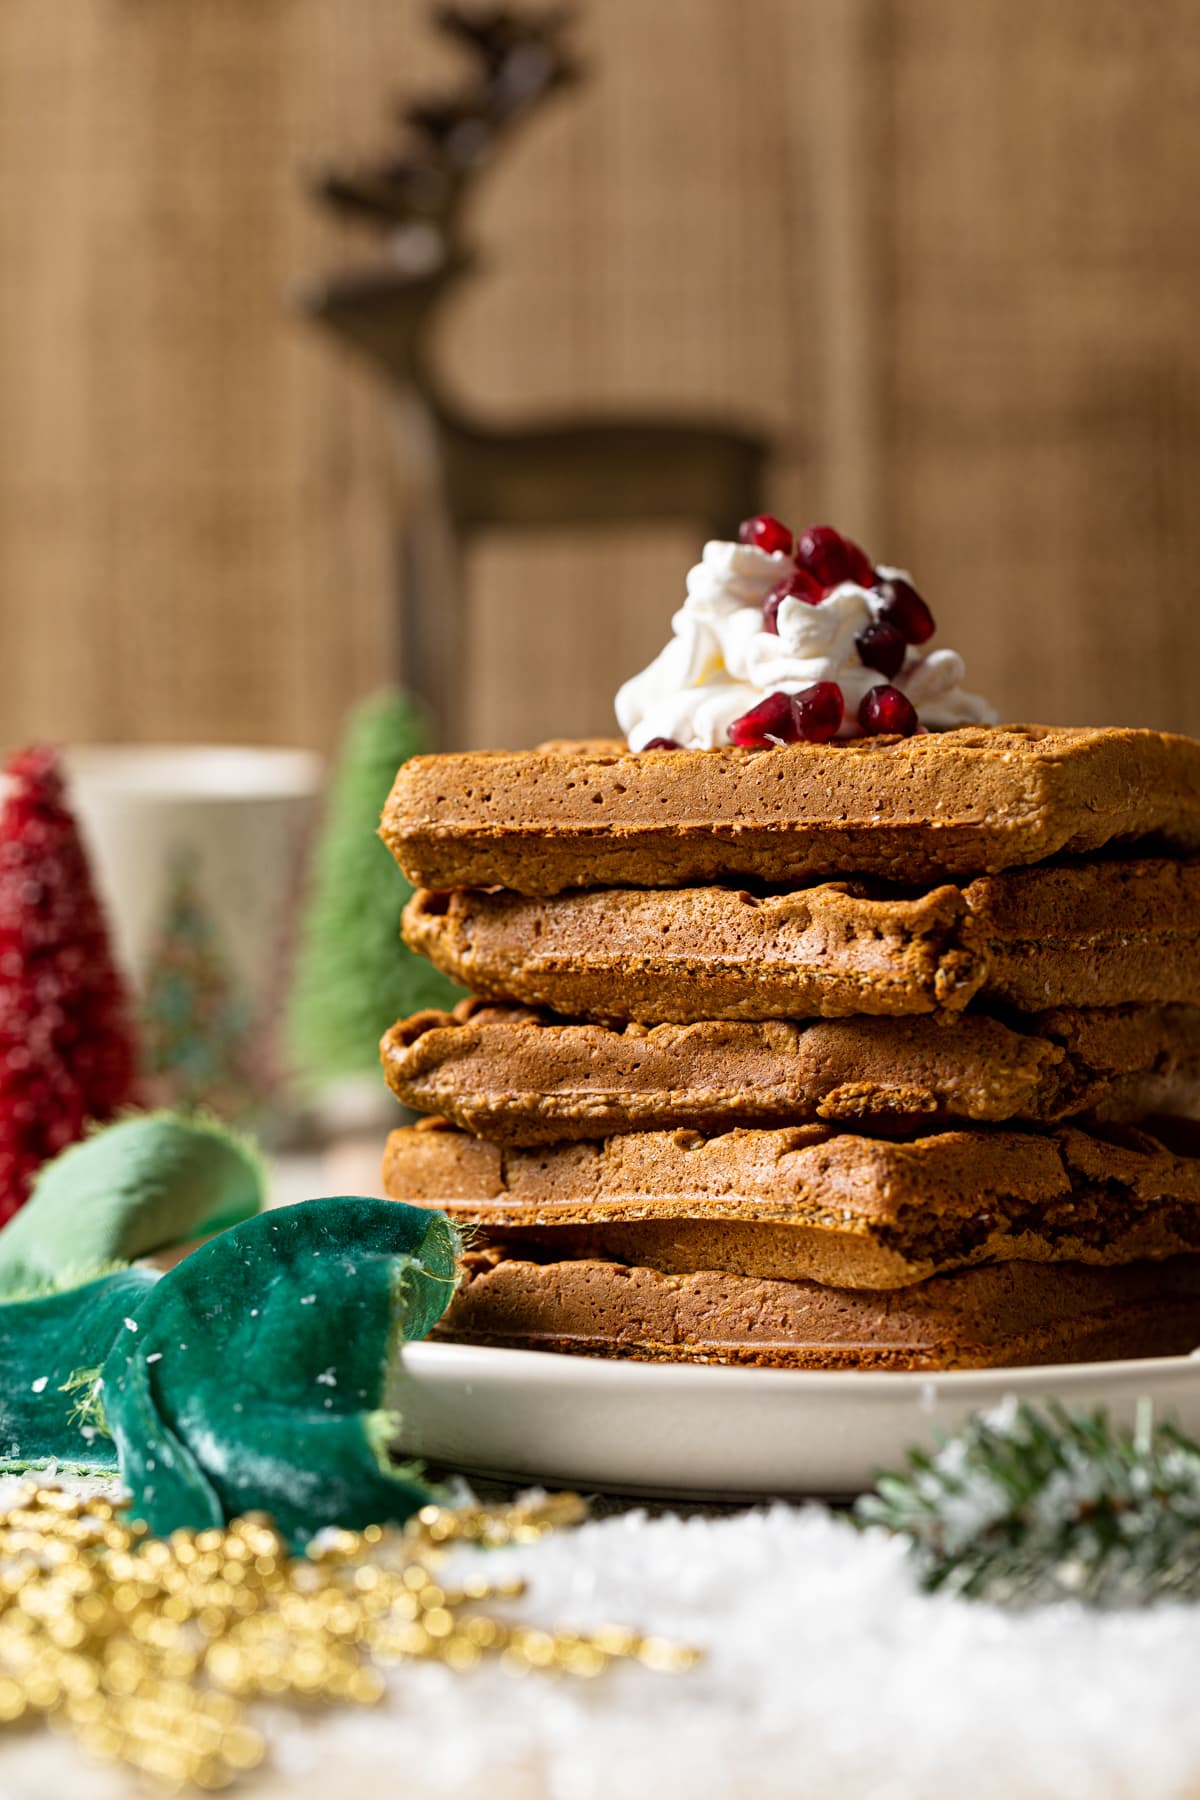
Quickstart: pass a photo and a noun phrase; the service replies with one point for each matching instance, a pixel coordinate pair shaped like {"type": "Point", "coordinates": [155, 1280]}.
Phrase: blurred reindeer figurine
{"type": "Point", "coordinates": [457, 476]}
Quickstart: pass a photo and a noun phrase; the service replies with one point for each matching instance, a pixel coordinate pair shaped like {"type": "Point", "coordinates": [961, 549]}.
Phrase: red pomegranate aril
{"type": "Point", "coordinates": [662, 744]}
{"type": "Point", "coordinates": [859, 566]}
{"type": "Point", "coordinates": [766, 533]}
{"type": "Point", "coordinates": [885, 711]}
{"type": "Point", "coordinates": [882, 647]}
{"type": "Point", "coordinates": [821, 710]}
{"type": "Point", "coordinates": [819, 550]}
{"type": "Point", "coordinates": [812, 716]}
{"type": "Point", "coordinates": [904, 608]}
{"type": "Point", "coordinates": [831, 558]}
{"type": "Point", "coordinates": [799, 585]}
{"type": "Point", "coordinates": [772, 721]}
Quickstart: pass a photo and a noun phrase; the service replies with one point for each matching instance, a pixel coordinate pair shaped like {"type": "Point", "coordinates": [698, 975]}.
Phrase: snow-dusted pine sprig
{"type": "Point", "coordinates": [1027, 1505]}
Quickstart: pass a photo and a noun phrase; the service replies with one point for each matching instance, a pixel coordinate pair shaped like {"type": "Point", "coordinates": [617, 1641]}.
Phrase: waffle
{"type": "Point", "coordinates": [992, 1317]}
{"type": "Point", "coordinates": [522, 1077]}
{"type": "Point", "coordinates": [963, 802]}
{"type": "Point", "coordinates": [1091, 933]}
{"type": "Point", "coordinates": [856, 1211]}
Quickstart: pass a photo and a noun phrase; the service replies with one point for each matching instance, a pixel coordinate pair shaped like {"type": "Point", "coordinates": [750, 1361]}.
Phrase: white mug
{"type": "Point", "coordinates": [215, 836]}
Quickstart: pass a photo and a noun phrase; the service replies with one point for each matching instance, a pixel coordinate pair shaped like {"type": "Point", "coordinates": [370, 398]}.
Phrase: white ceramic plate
{"type": "Point", "coordinates": [707, 1432]}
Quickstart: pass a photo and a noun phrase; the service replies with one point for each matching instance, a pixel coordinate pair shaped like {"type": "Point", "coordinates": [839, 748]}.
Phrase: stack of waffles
{"type": "Point", "coordinates": [869, 1054]}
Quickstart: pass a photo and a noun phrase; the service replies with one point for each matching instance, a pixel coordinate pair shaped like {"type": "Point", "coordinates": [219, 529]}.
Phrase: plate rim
{"type": "Point", "coordinates": [542, 1367]}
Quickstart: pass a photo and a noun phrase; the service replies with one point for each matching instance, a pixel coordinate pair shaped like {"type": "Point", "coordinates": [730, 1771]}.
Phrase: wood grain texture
{"type": "Point", "coordinates": [949, 255]}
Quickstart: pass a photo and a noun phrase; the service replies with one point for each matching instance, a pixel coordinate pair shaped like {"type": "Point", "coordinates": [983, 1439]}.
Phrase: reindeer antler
{"type": "Point", "coordinates": [520, 61]}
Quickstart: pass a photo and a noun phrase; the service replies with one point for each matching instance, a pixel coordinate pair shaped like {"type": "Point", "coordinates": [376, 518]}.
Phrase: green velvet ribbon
{"type": "Point", "coordinates": [152, 1180]}
{"type": "Point", "coordinates": [50, 1352]}
{"type": "Point", "coordinates": [254, 1375]}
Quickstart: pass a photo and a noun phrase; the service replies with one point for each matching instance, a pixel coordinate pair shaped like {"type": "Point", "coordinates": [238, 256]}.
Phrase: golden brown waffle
{"type": "Point", "coordinates": [960, 802]}
{"type": "Point", "coordinates": [523, 1077]}
{"type": "Point", "coordinates": [1090, 933]}
{"type": "Point", "coordinates": [858, 1212]}
{"type": "Point", "coordinates": [994, 1317]}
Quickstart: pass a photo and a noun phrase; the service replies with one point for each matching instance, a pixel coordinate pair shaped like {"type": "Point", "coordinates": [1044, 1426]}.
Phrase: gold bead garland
{"type": "Point", "coordinates": [148, 1649]}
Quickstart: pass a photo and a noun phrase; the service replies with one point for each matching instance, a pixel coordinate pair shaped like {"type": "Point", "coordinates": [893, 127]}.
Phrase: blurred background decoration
{"type": "Point", "coordinates": [353, 976]}
{"type": "Point", "coordinates": [946, 257]}
{"type": "Point", "coordinates": [201, 856]}
{"type": "Point", "coordinates": [200, 1047]}
{"type": "Point", "coordinates": [459, 477]}
{"type": "Point", "coordinates": [68, 1049]}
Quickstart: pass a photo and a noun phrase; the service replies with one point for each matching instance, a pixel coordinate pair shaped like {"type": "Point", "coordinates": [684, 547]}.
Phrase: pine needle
{"type": "Point", "coordinates": [1025, 1506]}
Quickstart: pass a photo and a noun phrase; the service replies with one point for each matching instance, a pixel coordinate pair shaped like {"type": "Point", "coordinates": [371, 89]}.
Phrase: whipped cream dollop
{"type": "Point", "coordinates": [720, 662]}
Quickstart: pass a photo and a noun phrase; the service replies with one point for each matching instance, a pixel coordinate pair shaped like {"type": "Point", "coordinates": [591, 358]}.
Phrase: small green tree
{"type": "Point", "coordinates": [354, 975]}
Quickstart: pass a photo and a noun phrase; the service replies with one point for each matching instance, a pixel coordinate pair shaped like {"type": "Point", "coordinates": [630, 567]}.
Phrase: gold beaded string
{"type": "Point", "coordinates": [148, 1649]}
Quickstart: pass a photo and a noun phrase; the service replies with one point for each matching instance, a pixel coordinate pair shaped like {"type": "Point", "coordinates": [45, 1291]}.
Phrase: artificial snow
{"type": "Point", "coordinates": [828, 1676]}
{"type": "Point", "coordinates": [827, 1673]}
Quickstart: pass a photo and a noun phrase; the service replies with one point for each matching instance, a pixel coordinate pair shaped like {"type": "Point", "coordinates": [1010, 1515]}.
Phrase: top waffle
{"type": "Point", "coordinates": [969, 801]}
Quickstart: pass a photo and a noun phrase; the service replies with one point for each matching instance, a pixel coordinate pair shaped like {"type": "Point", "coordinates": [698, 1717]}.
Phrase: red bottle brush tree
{"type": "Point", "coordinates": [67, 1049]}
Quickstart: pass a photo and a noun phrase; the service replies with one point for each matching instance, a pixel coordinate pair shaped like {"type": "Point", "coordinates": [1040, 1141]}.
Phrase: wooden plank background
{"type": "Point", "coordinates": [948, 254]}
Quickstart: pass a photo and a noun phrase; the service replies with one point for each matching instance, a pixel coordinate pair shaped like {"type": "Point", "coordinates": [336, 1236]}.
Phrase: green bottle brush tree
{"type": "Point", "coordinates": [354, 975]}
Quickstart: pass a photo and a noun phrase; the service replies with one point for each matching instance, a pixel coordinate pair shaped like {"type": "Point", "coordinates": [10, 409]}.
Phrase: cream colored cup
{"type": "Point", "coordinates": [237, 819]}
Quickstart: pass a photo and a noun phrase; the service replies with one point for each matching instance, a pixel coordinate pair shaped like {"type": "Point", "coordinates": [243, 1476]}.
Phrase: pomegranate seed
{"type": "Point", "coordinates": [767, 533]}
{"type": "Point", "coordinates": [821, 710]}
{"type": "Point", "coordinates": [811, 716]}
{"type": "Point", "coordinates": [831, 558]}
{"type": "Point", "coordinates": [799, 585]}
{"type": "Point", "coordinates": [772, 721]}
{"type": "Point", "coordinates": [904, 608]}
{"type": "Point", "coordinates": [819, 550]}
{"type": "Point", "coordinates": [885, 710]}
{"type": "Point", "coordinates": [859, 566]}
{"type": "Point", "coordinates": [662, 744]}
{"type": "Point", "coordinates": [882, 647]}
